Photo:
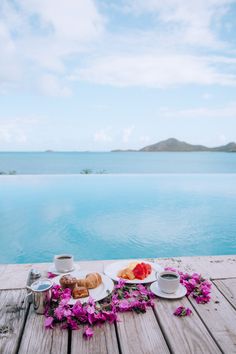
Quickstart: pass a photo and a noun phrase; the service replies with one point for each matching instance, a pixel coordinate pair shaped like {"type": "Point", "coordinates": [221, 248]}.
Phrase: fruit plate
{"type": "Point", "coordinates": [112, 270]}
{"type": "Point", "coordinates": [99, 293]}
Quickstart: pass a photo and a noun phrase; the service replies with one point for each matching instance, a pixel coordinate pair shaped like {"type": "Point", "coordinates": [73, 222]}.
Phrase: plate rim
{"type": "Point", "coordinates": [168, 296]}
{"type": "Point", "coordinates": [135, 281]}
{"type": "Point", "coordinates": [72, 301]}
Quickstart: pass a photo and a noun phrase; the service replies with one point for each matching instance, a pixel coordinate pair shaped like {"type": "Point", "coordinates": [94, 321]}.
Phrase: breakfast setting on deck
{"type": "Point", "coordinates": [69, 304]}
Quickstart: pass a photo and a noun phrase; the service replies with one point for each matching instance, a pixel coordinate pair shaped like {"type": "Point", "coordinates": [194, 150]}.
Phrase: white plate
{"type": "Point", "coordinates": [99, 293]}
{"type": "Point", "coordinates": [53, 270]}
{"type": "Point", "coordinates": [180, 292]}
{"type": "Point", "coordinates": [112, 270]}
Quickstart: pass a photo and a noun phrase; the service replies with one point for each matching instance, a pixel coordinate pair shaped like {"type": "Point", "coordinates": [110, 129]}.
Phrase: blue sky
{"type": "Point", "coordinates": [105, 74]}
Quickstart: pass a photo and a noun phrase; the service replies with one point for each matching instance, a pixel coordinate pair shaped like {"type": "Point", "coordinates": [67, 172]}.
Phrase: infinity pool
{"type": "Point", "coordinates": [116, 216]}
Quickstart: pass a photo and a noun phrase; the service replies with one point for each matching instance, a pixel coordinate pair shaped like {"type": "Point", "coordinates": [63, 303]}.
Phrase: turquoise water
{"type": "Point", "coordinates": [75, 162]}
{"type": "Point", "coordinates": [116, 216]}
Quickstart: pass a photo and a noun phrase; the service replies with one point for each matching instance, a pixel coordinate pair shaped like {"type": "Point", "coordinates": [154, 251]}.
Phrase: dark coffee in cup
{"type": "Point", "coordinates": [169, 276]}
{"type": "Point", "coordinates": [168, 281]}
{"type": "Point", "coordinates": [64, 263]}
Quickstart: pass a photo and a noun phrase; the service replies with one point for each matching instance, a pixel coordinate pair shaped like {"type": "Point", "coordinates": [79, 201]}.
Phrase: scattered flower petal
{"type": "Point", "coordinates": [182, 311]}
{"type": "Point", "coordinates": [88, 333]}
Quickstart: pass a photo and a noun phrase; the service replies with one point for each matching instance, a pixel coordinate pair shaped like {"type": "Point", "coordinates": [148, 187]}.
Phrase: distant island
{"type": "Point", "coordinates": [175, 145]}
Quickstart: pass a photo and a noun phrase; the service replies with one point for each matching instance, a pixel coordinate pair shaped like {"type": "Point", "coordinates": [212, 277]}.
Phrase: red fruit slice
{"type": "Point", "coordinates": [139, 272]}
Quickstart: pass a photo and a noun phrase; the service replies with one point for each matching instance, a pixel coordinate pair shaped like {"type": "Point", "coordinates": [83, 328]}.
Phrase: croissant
{"type": "Point", "coordinates": [93, 280]}
{"type": "Point", "coordinates": [82, 282]}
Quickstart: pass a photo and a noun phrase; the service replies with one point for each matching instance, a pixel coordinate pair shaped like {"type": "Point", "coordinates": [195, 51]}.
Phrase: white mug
{"type": "Point", "coordinates": [64, 263]}
{"type": "Point", "coordinates": [168, 281]}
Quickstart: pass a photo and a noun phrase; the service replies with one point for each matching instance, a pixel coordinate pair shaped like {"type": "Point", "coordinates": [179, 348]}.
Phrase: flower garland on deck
{"type": "Point", "coordinates": [125, 297]}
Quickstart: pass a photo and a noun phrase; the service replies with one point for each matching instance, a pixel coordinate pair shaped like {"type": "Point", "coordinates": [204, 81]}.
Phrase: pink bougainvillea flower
{"type": "Point", "coordinates": [72, 324]}
{"type": "Point", "coordinates": [48, 322]}
{"type": "Point", "coordinates": [56, 292]}
{"type": "Point", "coordinates": [51, 275]}
{"type": "Point", "coordinates": [120, 284]}
{"type": "Point", "coordinates": [111, 317]}
{"type": "Point", "coordinates": [182, 311]}
{"type": "Point", "coordinates": [59, 313]}
{"type": "Point", "coordinates": [88, 333]}
{"type": "Point", "coordinates": [66, 294]}
{"type": "Point", "coordinates": [124, 305]}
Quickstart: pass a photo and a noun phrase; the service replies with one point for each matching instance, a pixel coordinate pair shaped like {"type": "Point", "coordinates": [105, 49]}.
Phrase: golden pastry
{"type": "Point", "coordinates": [93, 280]}
{"type": "Point", "coordinates": [79, 292]}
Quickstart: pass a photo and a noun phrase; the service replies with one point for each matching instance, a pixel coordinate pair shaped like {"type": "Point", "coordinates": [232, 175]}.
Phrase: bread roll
{"type": "Point", "coordinates": [67, 281]}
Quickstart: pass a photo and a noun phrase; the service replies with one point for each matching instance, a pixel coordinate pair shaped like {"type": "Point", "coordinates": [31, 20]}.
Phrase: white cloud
{"type": "Point", "coordinates": [39, 35]}
{"type": "Point", "coordinates": [127, 132]}
{"type": "Point", "coordinates": [103, 135]}
{"type": "Point", "coordinates": [45, 43]}
{"type": "Point", "coordinates": [193, 18]}
{"type": "Point", "coordinates": [154, 71]}
{"type": "Point", "coordinates": [70, 20]}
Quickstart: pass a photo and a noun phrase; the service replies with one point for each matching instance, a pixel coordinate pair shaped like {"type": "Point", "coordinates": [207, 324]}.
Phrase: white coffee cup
{"type": "Point", "coordinates": [64, 263]}
{"type": "Point", "coordinates": [168, 281]}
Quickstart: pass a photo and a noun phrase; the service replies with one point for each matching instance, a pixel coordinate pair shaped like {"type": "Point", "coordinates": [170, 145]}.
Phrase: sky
{"type": "Point", "coordinates": [105, 74]}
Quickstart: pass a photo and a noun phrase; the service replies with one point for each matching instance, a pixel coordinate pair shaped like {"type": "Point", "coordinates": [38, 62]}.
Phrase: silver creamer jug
{"type": "Point", "coordinates": [41, 291]}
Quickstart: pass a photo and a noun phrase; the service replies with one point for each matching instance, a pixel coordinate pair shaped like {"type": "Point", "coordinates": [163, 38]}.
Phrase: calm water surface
{"type": "Point", "coordinates": [116, 216]}
{"type": "Point", "coordinates": [138, 162]}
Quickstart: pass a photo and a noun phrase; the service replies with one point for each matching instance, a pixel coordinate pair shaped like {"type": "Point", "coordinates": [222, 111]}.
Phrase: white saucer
{"type": "Point", "coordinates": [180, 292]}
{"type": "Point", "coordinates": [53, 270]}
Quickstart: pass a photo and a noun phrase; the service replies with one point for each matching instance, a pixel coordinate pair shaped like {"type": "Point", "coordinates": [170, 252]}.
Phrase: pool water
{"type": "Point", "coordinates": [116, 216]}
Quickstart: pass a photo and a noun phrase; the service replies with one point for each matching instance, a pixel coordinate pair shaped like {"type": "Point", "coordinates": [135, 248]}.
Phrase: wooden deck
{"type": "Point", "coordinates": [211, 328]}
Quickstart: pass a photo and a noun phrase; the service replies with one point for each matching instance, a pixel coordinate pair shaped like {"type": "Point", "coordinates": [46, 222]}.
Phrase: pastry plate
{"type": "Point", "coordinates": [180, 292]}
{"type": "Point", "coordinates": [53, 270]}
{"type": "Point", "coordinates": [99, 293]}
{"type": "Point", "coordinates": [112, 270]}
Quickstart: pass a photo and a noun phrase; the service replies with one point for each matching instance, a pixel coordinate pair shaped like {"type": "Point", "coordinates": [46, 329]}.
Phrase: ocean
{"type": "Point", "coordinates": [108, 162]}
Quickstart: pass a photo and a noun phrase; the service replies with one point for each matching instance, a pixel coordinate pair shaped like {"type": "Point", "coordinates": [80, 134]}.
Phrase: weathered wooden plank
{"type": "Point", "coordinates": [140, 334]}
{"type": "Point", "coordinates": [220, 318]}
{"type": "Point", "coordinates": [12, 316]}
{"type": "Point", "coordinates": [37, 340]}
{"type": "Point", "coordinates": [104, 341]}
{"type": "Point", "coordinates": [228, 289]}
{"type": "Point", "coordinates": [184, 335]}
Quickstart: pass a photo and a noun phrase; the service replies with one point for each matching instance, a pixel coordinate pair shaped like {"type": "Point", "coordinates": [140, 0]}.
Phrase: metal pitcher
{"type": "Point", "coordinates": [41, 294]}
